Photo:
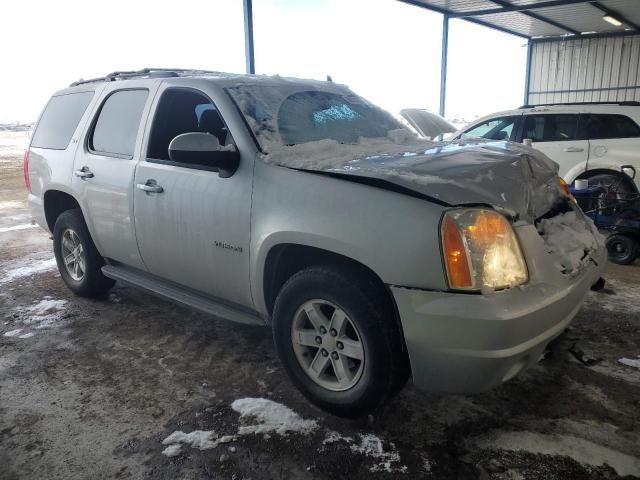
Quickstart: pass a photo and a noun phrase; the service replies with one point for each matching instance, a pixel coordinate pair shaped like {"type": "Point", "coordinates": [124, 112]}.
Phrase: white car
{"type": "Point", "coordinates": [588, 140]}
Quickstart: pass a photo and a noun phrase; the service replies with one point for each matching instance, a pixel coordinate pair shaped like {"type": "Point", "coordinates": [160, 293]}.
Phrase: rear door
{"type": "Point", "coordinates": [614, 140]}
{"type": "Point", "coordinates": [195, 229]}
{"type": "Point", "coordinates": [557, 135]}
{"type": "Point", "coordinates": [104, 167]}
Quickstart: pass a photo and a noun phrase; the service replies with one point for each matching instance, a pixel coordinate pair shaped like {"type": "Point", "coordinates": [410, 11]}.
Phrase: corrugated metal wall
{"type": "Point", "coordinates": [586, 70]}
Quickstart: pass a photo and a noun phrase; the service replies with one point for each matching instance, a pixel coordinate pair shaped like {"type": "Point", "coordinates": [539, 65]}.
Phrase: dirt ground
{"type": "Point", "coordinates": [89, 389]}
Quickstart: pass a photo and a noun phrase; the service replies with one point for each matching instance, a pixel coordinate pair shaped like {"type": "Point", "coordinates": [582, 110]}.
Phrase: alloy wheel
{"type": "Point", "coordinates": [327, 345]}
{"type": "Point", "coordinates": [73, 255]}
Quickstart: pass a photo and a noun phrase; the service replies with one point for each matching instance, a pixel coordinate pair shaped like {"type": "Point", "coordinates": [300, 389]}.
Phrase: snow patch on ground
{"type": "Point", "coordinates": [15, 228]}
{"type": "Point", "coordinates": [45, 313]}
{"type": "Point", "coordinates": [13, 333]}
{"type": "Point", "coordinates": [13, 144]}
{"type": "Point", "coordinates": [630, 362]}
{"type": "Point", "coordinates": [570, 238]}
{"type": "Point", "coordinates": [618, 371]}
{"type": "Point", "coordinates": [262, 416]}
{"type": "Point", "coordinates": [200, 439]}
{"type": "Point", "coordinates": [582, 451]}
{"type": "Point", "coordinates": [334, 437]}
{"type": "Point", "coordinates": [387, 460]}
{"type": "Point", "coordinates": [11, 204]}
{"type": "Point", "coordinates": [618, 297]}
{"type": "Point", "coordinates": [24, 270]}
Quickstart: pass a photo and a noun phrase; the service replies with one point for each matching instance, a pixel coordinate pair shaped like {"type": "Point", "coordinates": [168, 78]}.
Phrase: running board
{"type": "Point", "coordinates": [166, 290]}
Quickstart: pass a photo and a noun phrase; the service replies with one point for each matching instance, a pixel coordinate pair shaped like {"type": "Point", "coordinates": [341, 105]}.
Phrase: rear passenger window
{"type": "Point", "coordinates": [116, 129]}
{"type": "Point", "coordinates": [60, 119]}
{"type": "Point", "coordinates": [611, 126]}
{"type": "Point", "coordinates": [550, 128]}
{"type": "Point", "coordinates": [183, 110]}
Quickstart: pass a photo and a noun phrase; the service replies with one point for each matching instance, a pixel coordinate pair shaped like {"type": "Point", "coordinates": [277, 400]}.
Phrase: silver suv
{"type": "Point", "coordinates": [298, 204]}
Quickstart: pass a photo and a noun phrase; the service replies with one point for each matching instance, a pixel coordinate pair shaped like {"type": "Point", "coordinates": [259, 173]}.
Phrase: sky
{"type": "Point", "coordinates": [387, 51]}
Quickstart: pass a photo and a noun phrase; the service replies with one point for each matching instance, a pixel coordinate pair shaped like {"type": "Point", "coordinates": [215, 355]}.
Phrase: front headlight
{"type": "Point", "coordinates": [481, 250]}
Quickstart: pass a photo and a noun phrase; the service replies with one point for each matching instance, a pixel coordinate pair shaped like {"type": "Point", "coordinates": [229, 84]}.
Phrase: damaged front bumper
{"type": "Point", "coordinates": [468, 343]}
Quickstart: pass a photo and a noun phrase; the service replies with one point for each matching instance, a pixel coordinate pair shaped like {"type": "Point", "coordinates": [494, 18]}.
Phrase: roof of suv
{"type": "Point", "coordinates": [613, 107]}
{"type": "Point", "coordinates": [218, 77]}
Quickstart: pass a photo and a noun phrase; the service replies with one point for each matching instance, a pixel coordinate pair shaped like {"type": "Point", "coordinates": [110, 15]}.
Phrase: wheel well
{"type": "Point", "coordinates": [606, 171]}
{"type": "Point", "coordinates": [284, 260]}
{"type": "Point", "coordinates": [56, 202]}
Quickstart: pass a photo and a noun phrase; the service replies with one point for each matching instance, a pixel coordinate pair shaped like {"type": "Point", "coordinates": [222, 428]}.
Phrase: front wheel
{"type": "Point", "coordinates": [336, 335]}
{"type": "Point", "coordinates": [78, 259]}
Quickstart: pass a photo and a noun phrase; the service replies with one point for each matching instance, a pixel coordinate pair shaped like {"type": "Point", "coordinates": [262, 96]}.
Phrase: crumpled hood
{"type": "Point", "coordinates": [509, 176]}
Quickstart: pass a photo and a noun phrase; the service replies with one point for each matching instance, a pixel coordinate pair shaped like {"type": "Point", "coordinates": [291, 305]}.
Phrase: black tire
{"type": "Point", "coordinates": [369, 307]}
{"type": "Point", "coordinates": [622, 250]}
{"type": "Point", "coordinates": [92, 283]}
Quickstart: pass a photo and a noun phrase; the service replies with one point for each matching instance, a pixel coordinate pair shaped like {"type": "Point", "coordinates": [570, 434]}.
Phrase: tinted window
{"type": "Point", "coordinates": [181, 111]}
{"type": "Point", "coordinates": [611, 126]}
{"type": "Point", "coordinates": [60, 119]}
{"type": "Point", "coordinates": [116, 130]}
{"type": "Point", "coordinates": [496, 129]}
{"type": "Point", "coordinates": [550, 128]}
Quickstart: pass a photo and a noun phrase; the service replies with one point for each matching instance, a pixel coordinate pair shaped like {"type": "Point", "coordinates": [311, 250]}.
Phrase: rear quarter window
{"type": "Point", "coordinates": [601, 127]}
{"type": "Point", "coordinates": [60, 119]}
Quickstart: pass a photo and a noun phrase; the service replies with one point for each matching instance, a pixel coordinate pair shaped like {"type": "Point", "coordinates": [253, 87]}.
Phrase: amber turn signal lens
{"type": "Point", "coordinates": [564, 185]}
{"type": "Point", "coordinates": [455, 256]}
{"type": "Point", "coordinates": [486, 228]}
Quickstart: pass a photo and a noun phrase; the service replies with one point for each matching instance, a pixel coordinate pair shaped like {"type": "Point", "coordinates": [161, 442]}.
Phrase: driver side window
{"type": "Point", "coordinates": [184, 110]}
{"type": "Point", "coordinates": [495, 129]}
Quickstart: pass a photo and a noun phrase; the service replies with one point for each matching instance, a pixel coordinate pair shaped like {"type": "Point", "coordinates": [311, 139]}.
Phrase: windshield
{"type": "Point", "coordinates": [295, 114]}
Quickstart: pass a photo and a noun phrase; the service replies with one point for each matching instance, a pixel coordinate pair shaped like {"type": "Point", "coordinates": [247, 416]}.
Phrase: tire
{"type": "Point", "coordinates": [368, 318]}
{"type": "Point", "coordinates": [622, 250]}
{"type": "Point", "coordinates": [83, 275]}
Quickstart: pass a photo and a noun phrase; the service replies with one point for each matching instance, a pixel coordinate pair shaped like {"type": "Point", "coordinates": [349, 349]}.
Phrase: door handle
{"type": "Point", "coordinates": [574, 149]}
{"type": "Point", "coordinates": [150, 187]}
{"type": "Point", "coordinates": [83, 173]}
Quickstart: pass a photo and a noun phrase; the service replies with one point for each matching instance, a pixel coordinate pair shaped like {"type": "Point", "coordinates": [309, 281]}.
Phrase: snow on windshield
{"type": "Point", "coordinates": [319, 125]}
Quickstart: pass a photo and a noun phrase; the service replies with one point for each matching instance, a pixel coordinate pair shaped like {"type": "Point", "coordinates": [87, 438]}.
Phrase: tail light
{"type": "Point", "coordinates": [26, 170]}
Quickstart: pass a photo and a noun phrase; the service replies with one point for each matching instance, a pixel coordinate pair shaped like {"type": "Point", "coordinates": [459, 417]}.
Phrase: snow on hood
{"type": "Point", "coordinates": [512, 177]}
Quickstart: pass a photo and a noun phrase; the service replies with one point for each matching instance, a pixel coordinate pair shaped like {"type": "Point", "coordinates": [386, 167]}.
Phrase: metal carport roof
{"type": "Point", "coordinates": [535, 20]}
{"type": "Point", "coordinates": [544, 18]}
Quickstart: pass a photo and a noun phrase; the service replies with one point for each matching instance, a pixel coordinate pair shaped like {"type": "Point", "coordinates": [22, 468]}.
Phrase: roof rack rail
{"type": "Point", "coordinates": [144, 73]}
{"type": "Point", "coordinates": [625, 104]}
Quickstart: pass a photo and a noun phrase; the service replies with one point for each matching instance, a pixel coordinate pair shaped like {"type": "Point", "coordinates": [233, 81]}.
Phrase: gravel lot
{"type": "Point", "coordinates": [89, 389]}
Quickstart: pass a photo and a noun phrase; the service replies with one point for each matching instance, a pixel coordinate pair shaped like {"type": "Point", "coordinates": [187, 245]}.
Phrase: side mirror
{"type": "Point", "coordinates": [204, 149]}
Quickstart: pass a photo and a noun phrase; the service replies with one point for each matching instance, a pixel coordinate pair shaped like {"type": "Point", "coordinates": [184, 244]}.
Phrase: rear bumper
{"type": "Point", "coordinates": [36, 209]}
{"type": "Point", "coordinates": [468, 343]}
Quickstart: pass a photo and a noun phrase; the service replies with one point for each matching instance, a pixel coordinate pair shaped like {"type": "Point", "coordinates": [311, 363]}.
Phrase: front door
{"type": "Point", "coordinates": [104, 168]}
{"type": "Point", "coordinates": [194, 229]}
{"type": "Point", "coordinates": [558, 137]}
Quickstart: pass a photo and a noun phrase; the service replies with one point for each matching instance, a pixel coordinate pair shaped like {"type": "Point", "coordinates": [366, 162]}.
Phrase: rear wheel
{"type": "Point", "coordinates": [79, 262]}
{"type": "Point", "coordinates": [622, 249]}
{"type": "Point", "coordinates": [336, 335]}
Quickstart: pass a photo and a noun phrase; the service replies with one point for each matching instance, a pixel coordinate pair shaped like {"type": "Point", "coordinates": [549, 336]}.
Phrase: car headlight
{"type": "Point", "coordinates": [481, 250]}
